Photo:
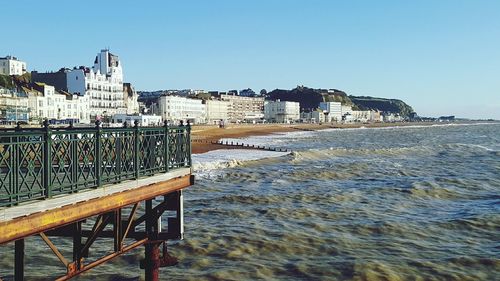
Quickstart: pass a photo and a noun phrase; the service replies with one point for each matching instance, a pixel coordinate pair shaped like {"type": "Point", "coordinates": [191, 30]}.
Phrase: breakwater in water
{"type": "Point", "coordinates": [412, 203]}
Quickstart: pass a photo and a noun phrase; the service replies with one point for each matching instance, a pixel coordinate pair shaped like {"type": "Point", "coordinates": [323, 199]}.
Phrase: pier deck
{"type": "Point", "coordinates": [53, 180]}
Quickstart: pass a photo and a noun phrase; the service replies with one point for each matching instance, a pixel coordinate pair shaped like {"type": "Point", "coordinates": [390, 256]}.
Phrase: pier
{"type": "Point", "coordinates": [94, 185]}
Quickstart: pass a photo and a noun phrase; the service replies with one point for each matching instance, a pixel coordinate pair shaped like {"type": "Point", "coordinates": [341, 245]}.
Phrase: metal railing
{"type": "Point", "coordinates": [38, 163]}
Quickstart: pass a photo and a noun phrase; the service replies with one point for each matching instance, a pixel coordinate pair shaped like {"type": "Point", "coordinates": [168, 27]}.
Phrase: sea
{"type": "Point", "coordinates": [395, 203]}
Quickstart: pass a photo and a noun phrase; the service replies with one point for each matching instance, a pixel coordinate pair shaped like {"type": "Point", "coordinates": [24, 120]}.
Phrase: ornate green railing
{"type": "Point", "coordinates": [39, 163]}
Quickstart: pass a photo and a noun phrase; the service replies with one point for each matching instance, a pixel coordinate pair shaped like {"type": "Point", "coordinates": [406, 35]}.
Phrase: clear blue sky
{"type": "Point", "coordinates": [440, 56]}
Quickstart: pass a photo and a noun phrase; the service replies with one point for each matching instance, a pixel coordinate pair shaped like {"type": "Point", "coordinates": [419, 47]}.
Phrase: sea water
{"type": "Point", "coordinates": [403, 203]}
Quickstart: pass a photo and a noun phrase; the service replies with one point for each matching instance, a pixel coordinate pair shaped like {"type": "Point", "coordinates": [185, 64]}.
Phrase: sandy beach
{"type": "Point", "coordinates": [203, 135]}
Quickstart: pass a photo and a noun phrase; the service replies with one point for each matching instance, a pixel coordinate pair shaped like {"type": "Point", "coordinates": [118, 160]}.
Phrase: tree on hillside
{"type": "Point", "coordinates": [6, 81]}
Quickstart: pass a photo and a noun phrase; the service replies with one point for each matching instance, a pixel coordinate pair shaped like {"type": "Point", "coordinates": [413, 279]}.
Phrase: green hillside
{"type": "Point", "coordinates": [10, 82]}
{"type": "Point", "coordinates": [381, 104]}
{"type": "Point", "coordinates": [310, 98]}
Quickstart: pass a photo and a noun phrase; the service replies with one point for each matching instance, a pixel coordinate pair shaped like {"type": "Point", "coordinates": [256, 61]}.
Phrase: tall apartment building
{"type": "Point", "coordinates": [244, 108]}
{"type": "Point", "coordinates": [175, 109]}
{"type": "Point", "coordinates": [281, 111]}
{"type": "Point", "coordinates": [332, 110]}
{"type": "Point", "coordinates": [102, 84]}
{"type": "Point", "coordinates": [10, 65]}
{"type": "Point", "coordinates": [217, 111]}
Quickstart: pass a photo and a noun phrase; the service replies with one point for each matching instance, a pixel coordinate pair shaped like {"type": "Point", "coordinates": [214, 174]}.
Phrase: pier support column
{"type": "Point", "coordinates": [77, 244]}
{"type": "Point", "coordinates": [152, 253]}
{"type": "Point", "coordinates": [19, 260]}
{"type": "Point", "coordinates": [152, 262]}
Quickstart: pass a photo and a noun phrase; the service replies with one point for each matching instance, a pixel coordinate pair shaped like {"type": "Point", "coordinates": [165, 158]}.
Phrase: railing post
{"type": "Point", "coordinates": [74, 156]}
{"type": "Point", "coordinates": [137, 166]}
{"type": "Point", "coordinates": [14, 183]}
{"type": "Point", "coordinates": [47, 159]}
{"type": "Point", "coordinates": [188, 140]}
{"type": "Point", "coordinates": [165, 145]}
{"type": "Point", "coordinates": [98, 155]}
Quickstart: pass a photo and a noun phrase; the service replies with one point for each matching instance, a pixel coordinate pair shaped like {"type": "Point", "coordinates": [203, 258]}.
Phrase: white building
{"type": "Point", "coordinates": [13, 107]}
{"type": "Point", "coordinates": [244, 108]}
{"type": "Point", "coordinates": [332, 111]}
{"type": "Point", "coordinates": [175, 109]}
{"type": "Point", "coordinates": [12, 66]}
{"type": "Point", "coordinates": [217, 111]}
{"type": "Point", "coordinates": [59, 107]}
{"type": "Point", "coordinates": [130, 98]}
{"type": "Point", "coordinates": [316, 116]}
{"type": "Point", "coordinates": [144, 120]}
{"type": "Point", "coordinates": [281, 111]}
{"type": "Point", "coordinates": [391, 117]}
{"type": "Point", "coordinates": [103, 84]}
{"type": "Point", "coordinates": [376, 116]}
{"type": "Point", "coordinates": [361, 115]}
{"type": "Point", "coordinates": [348, 118]}
{"type": "Point", "coordinates": [346, 109]}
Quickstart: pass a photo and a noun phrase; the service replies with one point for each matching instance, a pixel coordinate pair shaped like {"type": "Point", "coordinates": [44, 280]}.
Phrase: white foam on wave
{"type": "Point", "coordinates": [397, 127]}
{"type": "Point", "coordinates": [278, 139]}
{"type": "Point", "coordinates": [208, 163]}
{"type": "Point", "coordinates": [475, 146]}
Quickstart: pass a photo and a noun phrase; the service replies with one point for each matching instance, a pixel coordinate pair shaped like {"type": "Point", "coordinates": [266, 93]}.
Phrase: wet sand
{"type": "Point", "coordinates": [204, 135]}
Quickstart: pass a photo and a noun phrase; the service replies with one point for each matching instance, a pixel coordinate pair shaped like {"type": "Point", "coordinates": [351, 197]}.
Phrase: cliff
{"type": "Point", "coordinates": [381, 104]}
{"type": "Point", "coordinates": [310, 98]}
{"type": "Point", "coordinates": [307, 97]}
{"type": "Point", "coordinates": [13, 81]}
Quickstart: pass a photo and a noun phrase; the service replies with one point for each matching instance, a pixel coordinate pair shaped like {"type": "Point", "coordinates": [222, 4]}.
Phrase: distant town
{"type": "Point", "coordinates": [84, 95]}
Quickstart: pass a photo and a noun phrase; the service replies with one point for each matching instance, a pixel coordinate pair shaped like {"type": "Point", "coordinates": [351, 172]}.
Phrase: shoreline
{"type": "Point", "coordinates": [204, 135]}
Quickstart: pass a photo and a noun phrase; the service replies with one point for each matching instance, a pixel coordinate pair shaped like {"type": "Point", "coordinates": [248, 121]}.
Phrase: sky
{"type": "Point", "coordinates": [440, 56]}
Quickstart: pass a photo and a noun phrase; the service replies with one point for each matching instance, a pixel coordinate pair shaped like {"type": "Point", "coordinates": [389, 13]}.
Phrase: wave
{"type": "Point", "coordinates": [315, 154]}
{"type": "Point", "coordinates": [409, 126]}
{"type": "Point", "coordinates": [275, 139]}
{"type": "Point", "coordinates": [318, 154]}
{"type": "Point", "coordinates": [471, 146]}
{"type": "Point", "coordinates": [206, 163]}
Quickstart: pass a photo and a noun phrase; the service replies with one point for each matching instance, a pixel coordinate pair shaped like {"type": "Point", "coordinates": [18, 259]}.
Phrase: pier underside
{"type": "Point", "coordinates": [128, 214]}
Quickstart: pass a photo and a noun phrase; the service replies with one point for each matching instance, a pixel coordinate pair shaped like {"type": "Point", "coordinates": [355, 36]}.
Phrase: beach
{"type": "Point", "coordinates": [204, 136]}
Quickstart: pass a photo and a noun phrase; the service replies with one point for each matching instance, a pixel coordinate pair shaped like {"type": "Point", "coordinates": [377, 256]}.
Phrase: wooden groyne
{"type": "Point", "coordinates": [303, 129]}
{"type": "Point", "coordinates": [233, 144]}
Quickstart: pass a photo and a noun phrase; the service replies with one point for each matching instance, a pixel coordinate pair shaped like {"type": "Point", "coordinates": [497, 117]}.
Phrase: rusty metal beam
{"type": "Point", "coordinates": [40, 222]}
{"type": "Point", "coordinates": [130, 220]}
{"type": "Point", "coordinates": [102, 260]}
{"type": "Point", "coordinates": [132, 235]}
{"type": "Point", "coordinates": [98, 228]}
{"type": "Point", "coordinates": [54, 249]}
